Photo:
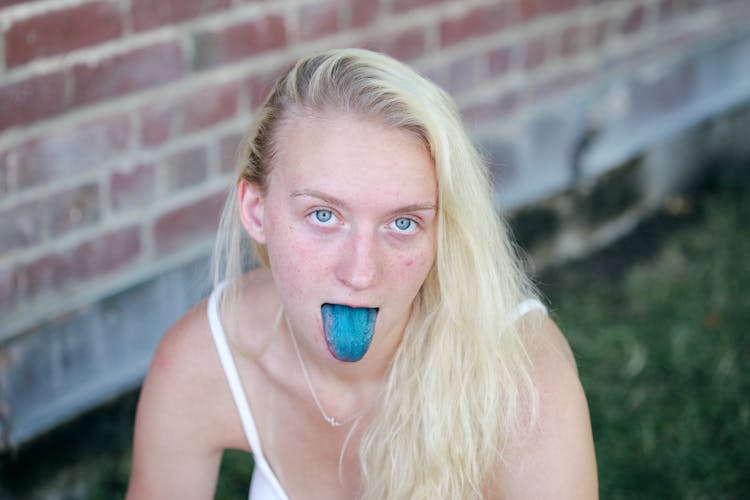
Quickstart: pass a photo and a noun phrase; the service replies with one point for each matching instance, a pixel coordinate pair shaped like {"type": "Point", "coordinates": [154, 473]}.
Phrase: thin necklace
{"type": "Point", "coordinates": [332, 421]}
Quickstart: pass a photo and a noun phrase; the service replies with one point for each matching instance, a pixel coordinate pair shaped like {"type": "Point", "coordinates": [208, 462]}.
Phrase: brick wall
{"type": "Point", "coordinates": [119, 122]}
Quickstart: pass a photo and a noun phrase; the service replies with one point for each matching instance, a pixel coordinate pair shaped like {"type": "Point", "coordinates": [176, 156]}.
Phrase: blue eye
{"type": "Point", "coordinates": [323, 216]}
{"type": "Point", "coordinates": [404, 225]}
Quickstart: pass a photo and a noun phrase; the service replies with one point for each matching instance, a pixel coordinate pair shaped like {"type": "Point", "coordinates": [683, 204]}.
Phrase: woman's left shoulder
{"type": "Point", "coordinates": [557, 459]}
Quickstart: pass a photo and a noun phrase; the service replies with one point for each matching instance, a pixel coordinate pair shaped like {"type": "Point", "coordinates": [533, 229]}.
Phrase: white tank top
{"type": "Point", "coordinates": [264, 484]}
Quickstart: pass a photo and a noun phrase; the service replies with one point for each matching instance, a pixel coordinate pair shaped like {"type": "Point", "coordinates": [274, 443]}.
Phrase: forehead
{"type": "Point", "coordinates": [352, 158]}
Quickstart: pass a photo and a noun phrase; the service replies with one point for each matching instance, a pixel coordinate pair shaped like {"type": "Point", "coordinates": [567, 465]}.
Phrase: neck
{"type": "Point", "coordinates": [341, 391]}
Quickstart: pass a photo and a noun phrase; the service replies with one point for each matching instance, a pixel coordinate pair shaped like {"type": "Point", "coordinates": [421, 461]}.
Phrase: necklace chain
{"type": "Point", "coordinates": [332, 421]}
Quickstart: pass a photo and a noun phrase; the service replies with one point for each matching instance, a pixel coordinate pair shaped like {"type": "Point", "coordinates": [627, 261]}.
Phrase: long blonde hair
{"type": "Point", "coordinates": [458, 389]}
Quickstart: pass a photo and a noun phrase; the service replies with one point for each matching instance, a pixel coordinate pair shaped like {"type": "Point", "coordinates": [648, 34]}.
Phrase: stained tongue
{"type": "Point", "coordinates": [348, 330]}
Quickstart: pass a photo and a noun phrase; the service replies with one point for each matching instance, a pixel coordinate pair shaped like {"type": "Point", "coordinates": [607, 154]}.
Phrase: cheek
{"type": "Point", "coordinates": [416, 265]}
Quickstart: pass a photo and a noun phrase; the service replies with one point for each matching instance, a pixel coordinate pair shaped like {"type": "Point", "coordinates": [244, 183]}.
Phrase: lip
{"type": "Point", "coordinates": [353, 306]}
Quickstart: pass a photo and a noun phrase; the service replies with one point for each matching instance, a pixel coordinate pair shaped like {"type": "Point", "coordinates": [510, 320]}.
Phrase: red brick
{"type": "Point", "coordinates": [406, 5]}
{"type": "Point", "coordinates": [72, 209]}
{"type": "Point", "coordinates": [497, 108]}
{"type": "Point", "coordinates": [569, 41]}
{"type": "Point", "coordinates": [159, 121]}
{"type": "Point", "coordinates": [556, 6]}
{"type": "Point", "coordinates": [534, 53]}
{"type": "Point", "coordinates": [6, 3]}
{"type": "Point", "coordinates": [666, 10]}
{"type": "Point", "coordinates": [106, 253]}
{"type": "Point", "coordinates": [188, 224]}
{"type": "Point", "coordinates": [259, 85]}
{"type": "Point", "coordinates": [529, 9]}
{"type": "Point", "coordinates": [404, 46]}
{"type": "Point", "coordinates": [65, 151]}
{"type": "Point", "coordinates": [209, 106]}
{"type": "Point", "coordinates": [187, 168]}
{"type": "Point", "coordinates": [163, 118]}
{"type": "Point", "coordinates": [240, 41]}
{"type": "Point", "coordinates": [62, 31]}
{"type": "Point", "coordinates": [633, 21]}
{"type": "Point", "coordinates": [230, 147]}
{"type": "Point", "coordinates": [478, 22]}
{"type": "Point", "coordinates": [499, 61]}
{"type": "Point", "coordinates": [462, 75]}
{"type": "Point", "coordinates": [561, 83]}
{"type": "Point", "coordinates": [9, 287]}
{"type": "Point", "coordinates": [129, 72]}
{"type": "Point", "coordinates": [363, 12]}
{"type": "Point", "coordinates": [32, 99]}
{"type": "Point", "coordinates": [673, 90]}
{"type": "Point", "coordinates": [48, 273]}
{"type": "Point", "coordinates": [318, 19]}
{"type": "Point", "coordinates": [19, 227]}
{"type": "Point", "coordinates": [148, 14]}
{"type": "Point", "coordinates": [599, 33]}
{"type": "Point", "coordinates": [133, 188]}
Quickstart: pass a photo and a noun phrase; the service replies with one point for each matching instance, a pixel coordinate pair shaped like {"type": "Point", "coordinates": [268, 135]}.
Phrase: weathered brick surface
{"type": "Point", "coordinates": [479, 21]}
{"type": "Point", "coordinates": [49, 274]}
{"type": "Point", "coordinates": [8, 287]}
{"type": "Point", "coordinates": [148, 14]}
{"type": "Point", "coordinates": [166, 118]}
{"type": "Point", "coordinates": [186, 224]}
{"type": "Point", "coordinates": [60, 31]}
{"type": "Point", "coordinates": [187, 168]}
{"type": "Point", "coordinates": [634, 20]}
{"type": "Point", "coordinates": [259, 84]}
{"type": "Point", "coordinates": [65, 151]}
{"type": "Point", "coordinates": [134, 187]}
{"type": "Point", "coordinates": [498, 61]}
{"type": "Point", "coordinates": [32, 99]}
{"type": "Point", "coordinates": [107, 253]}
{"type": "Point", "coordinates": [128, 72]}
{"type": "Point", "coordinates": [535, 52]}
{"type": "Point", "coordinates": [229, 152]}
{"type": "Point", "coordinates": [240, 41]}
{"type": "Point", "coordinates": [20, 226]}
{"type": "Point", "coordinates": [405, 46]}
{"type": "Point", "coordinates": [71, 209]}
{"type": "Point", "coordinates": [406, 5]}
{"type": "Point", "coordinates": [6, 3]}
{"type": "Point", "coordinates": [318, 19]}
{"type": "Point", "coordinates": [363, 12]}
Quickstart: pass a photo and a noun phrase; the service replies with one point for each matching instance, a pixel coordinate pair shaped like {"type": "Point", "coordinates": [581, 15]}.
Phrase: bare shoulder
{"type": "Point", "coordinates": [557, 460]}
{"type": "Point", "coordinates": [182, 421]}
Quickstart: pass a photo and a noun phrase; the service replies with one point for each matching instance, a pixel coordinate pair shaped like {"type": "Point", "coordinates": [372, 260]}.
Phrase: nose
{"type": "Point", "coordinates": [358, 264]}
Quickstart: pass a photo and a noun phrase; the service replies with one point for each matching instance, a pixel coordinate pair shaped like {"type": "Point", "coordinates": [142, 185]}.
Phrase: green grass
{"type": "Point", "coordinates": [658, 325]}
{"type": "Point", "coordinates": [662, 351]}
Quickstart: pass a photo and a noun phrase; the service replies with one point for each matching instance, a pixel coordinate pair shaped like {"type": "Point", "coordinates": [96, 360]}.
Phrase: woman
{"type": "Point", "coordinates": [389, 346]}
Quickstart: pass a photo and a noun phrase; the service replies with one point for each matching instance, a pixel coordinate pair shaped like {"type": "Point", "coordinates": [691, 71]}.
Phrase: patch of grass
{"type": "Point", "coordinates": [234, 475]}
{"type": "Point", "coordinates": [662, 351]}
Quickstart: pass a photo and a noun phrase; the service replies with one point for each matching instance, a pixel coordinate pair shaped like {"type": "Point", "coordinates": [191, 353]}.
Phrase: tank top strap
{"type": "Point", "coordinates": [238, 393]}
{"type": "Point", "coordinates": [527, 306]}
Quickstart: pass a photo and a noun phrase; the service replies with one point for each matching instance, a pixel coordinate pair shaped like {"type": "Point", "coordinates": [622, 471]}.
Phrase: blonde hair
{"type": "Point", "coordinates": [459, 387]}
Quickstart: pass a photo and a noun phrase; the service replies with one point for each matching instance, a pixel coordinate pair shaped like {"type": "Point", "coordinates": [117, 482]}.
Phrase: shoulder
{"type": "Point", "coordinates": [557, 459]}
{"type": "Point", "coordinates": [184, 418]}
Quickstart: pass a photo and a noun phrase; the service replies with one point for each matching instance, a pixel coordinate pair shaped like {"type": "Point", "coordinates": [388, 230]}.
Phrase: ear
{"type": "Point", "coordinates": [251, 210]}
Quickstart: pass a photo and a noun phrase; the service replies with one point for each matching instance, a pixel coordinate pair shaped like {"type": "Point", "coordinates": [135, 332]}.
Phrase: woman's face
{"type": "Point", "coordinates": [349, 218]}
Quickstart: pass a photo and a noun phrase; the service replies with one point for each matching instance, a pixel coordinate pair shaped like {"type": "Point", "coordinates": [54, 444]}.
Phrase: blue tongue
{"type": "Point", "coordinates": [348, 330]}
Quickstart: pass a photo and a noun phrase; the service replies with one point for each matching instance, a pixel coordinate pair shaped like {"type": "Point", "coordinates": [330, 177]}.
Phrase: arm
{"type": "Point", "coordinates": [177, 449]}
{"type": "Point", "coordinates": [557, 461]}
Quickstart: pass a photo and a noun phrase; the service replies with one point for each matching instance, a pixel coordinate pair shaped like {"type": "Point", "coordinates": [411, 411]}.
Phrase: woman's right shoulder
{"type": "Point", "coordinates": [185, 368]}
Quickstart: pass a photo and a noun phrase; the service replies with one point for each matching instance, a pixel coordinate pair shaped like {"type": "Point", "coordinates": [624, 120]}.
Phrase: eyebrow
{"type": "Point", "coordinates": [332, 200]}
